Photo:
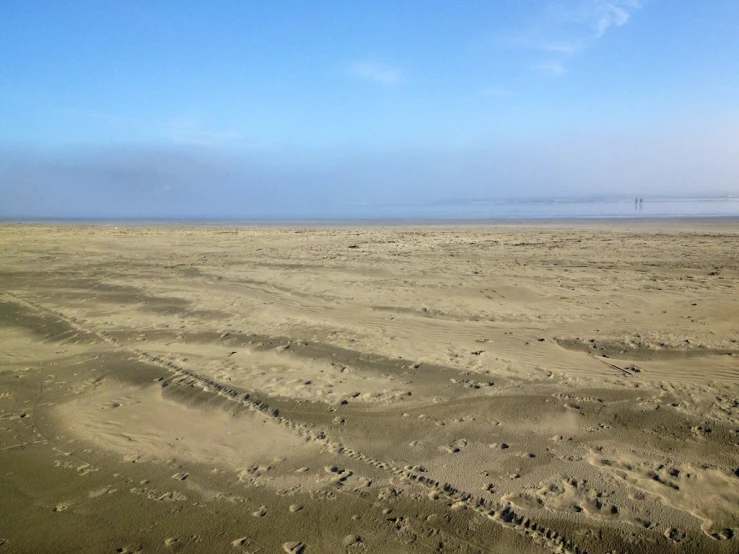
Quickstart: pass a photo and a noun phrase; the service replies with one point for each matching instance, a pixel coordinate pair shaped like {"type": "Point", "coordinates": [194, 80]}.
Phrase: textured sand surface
{"type": "Point", "coordinates": [551, 388]}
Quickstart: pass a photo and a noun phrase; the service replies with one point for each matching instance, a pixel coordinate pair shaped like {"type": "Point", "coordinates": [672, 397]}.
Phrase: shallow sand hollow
{"type": "Point", "coordinates": [551, 388]}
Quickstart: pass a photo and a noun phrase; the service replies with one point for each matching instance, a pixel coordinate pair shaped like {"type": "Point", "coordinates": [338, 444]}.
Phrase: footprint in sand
{"type": "Point", "coordinates": [675, 535]}
{"type": "Point", "coordinates": [243, 541]}
{"type": "Point", "coordinates": [261, 512]}
{"type": "Point", "coordinates": [293, 547]}
{"type": "Point", "coordinates": [98, 492]}
{"type": "Point", "coordinates": [351, 540]}
{"type": "Point", "coordinates": [173, 543]}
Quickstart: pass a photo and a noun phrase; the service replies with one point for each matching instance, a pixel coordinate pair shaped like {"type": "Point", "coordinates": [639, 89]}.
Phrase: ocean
{"type": "Point", "coordinates": [445, 212]}
{"type": "Point", "coordinates": [556, 208]}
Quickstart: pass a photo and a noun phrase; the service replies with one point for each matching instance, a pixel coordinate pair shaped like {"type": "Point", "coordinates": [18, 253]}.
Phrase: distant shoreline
{"type": "Point", "coordinates": [666, 220]}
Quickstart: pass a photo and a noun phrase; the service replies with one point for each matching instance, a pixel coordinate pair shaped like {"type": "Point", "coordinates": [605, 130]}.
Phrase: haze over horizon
{"type": "Point", "coordinates": [291, 109]}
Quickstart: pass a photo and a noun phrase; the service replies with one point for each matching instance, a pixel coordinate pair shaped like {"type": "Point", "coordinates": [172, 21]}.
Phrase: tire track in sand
{"type": "Point", "coordinates": [501, 513]}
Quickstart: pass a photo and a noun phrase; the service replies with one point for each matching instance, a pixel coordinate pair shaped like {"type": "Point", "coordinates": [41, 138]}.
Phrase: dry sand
{"type": "Point", "coordinates": [552, 388]}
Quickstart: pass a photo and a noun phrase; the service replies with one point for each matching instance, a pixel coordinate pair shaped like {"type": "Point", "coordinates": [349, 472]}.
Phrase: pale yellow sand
{"type": "Point", "coordinates": [508, 388]}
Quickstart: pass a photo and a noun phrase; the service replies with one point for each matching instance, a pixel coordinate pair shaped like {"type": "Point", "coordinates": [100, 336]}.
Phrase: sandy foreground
{"type": "Point", "coordinates": [552, 388]}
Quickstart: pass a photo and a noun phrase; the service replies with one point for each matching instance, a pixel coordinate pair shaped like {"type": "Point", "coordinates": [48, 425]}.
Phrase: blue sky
{"type": "Point", "coordinates": [230, 108]}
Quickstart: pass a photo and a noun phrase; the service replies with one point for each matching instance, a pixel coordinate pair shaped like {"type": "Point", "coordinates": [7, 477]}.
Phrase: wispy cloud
{"type": "Point", "coordinates": [375, 72]}
{"type": "Point", "coordinates": [565, 29]}
{"type": "Point", "coordinates": [565, 48]}
{"type": "Point", "coordinates": [555, 68]}
{"type": "Point", "coordinates": [604, 15]}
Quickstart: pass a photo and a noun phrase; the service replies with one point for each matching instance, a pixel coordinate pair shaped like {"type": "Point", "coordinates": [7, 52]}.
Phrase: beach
{"type": "Point", "coordinates": [511, 387]}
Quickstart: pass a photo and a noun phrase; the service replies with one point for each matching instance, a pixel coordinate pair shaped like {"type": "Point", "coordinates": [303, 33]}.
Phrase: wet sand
{"type": "Point", "coordinates": [504, 388]}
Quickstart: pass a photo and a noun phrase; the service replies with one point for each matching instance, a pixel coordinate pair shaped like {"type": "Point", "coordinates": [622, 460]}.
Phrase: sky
{"type": "Point", "coordinates": [332, 108]}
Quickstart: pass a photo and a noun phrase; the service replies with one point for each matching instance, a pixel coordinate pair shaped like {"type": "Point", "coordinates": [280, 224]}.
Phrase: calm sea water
{"type": "Point", "coordinates": [557, 209]}
{"type": "Point", "coordinates": [531, 209]}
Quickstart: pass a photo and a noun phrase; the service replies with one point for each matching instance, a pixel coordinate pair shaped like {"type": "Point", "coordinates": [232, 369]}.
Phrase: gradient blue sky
{"type": "Point", "coordinates": [236, 108]}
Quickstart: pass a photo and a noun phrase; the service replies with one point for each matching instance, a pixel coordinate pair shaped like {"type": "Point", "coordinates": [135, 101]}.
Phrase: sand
{"type": "Point", "coordinates": [561, 387]}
